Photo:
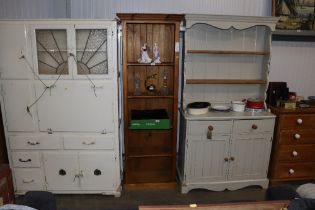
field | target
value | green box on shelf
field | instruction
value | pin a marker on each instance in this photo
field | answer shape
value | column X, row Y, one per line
column 149, row 119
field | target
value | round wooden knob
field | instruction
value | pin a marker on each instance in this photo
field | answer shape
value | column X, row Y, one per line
column 210, row 128
column 297, row 136
column 226, row 159
column 232, row 158
column 291, row 171
column 295, row 153
column 299, row 121
column 254, row 126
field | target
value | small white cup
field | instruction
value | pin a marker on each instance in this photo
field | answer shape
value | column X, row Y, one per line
column 238, row 106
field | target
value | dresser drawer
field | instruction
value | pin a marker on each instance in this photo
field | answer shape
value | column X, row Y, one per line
column 89, row 142
column 253, row 126
column 295, row 170
column 48, row 141
column 26, row 159
column 28, row 179
column 297, row 153
column 298, row 121
column 297, row 136
column 201, row 128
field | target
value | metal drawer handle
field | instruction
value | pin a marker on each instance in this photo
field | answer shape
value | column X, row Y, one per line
column 295, row 153
column 297, row 136
column 254, row 126
column 291, row 171
column 88, row 143
column 27, row 181
column 24, row 161
column 299, row 121
column 33, row 143
column 209, row 133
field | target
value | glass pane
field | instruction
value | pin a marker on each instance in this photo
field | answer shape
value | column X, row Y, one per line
column 91, row 45
column 52, row 51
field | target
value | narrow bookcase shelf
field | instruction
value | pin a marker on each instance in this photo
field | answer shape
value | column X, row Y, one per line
column 149, row 64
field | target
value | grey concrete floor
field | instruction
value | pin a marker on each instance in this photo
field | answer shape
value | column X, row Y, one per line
column 131, row 199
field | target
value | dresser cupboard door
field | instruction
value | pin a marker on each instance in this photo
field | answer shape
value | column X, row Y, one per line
column 98, row 169
column 249, row 157
column 62, row 170
column 18, row 95
column 207, row 159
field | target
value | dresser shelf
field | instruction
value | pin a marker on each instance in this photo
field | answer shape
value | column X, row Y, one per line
column 149, row 64
column 225, row 81
column 227, row 52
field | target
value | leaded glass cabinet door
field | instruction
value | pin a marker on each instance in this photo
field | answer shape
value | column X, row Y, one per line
column 52, row 44
column 95, row 48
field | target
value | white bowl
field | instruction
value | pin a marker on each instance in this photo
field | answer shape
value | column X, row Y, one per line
column 238, row 106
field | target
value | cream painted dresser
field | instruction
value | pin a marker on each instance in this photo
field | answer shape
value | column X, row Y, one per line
column 59, row 99
column 226, row 59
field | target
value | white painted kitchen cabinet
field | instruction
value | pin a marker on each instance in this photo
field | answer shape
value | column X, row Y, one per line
column 59, row 100
column 226, row 59
column 219, row 156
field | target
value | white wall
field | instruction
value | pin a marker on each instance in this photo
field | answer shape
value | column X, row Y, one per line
column 292, row 62
column 30, row 9
column 108, row 9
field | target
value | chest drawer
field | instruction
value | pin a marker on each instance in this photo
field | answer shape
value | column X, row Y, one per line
column 28, row 179
column 89, row 142
column 253, row 126
column 202, row 128
column 297, row 153
column 48, row 141
column 297, row 121
column 297, row 137
column 295, row 170
column 26, row 159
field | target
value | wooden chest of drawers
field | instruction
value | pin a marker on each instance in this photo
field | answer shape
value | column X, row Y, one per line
column 293, row 152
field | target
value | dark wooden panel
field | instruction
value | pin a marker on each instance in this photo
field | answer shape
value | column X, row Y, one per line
column 301, row 170
column 150, row 142
column 296, row 153
column 143, row 72
column 148, row 169
column 162, row 34
column 294, row 137
column 290, row 121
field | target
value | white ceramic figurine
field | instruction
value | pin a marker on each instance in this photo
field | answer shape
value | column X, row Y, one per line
column 144, row 54
column 156, row 54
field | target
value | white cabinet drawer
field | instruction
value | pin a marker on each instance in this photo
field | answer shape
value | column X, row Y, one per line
column 253, row 126
column 28, row 179
column 201, row 128
column 101, row 141
column 26, row 159
column 48, row 141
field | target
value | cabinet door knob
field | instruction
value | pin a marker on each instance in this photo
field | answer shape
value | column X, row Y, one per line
column 232, row 158
column 209, row 133
column 297, row 136
column 291, row 171
column 295, row 153
column 299, row 121
column 254, row 126
column 226, row 159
